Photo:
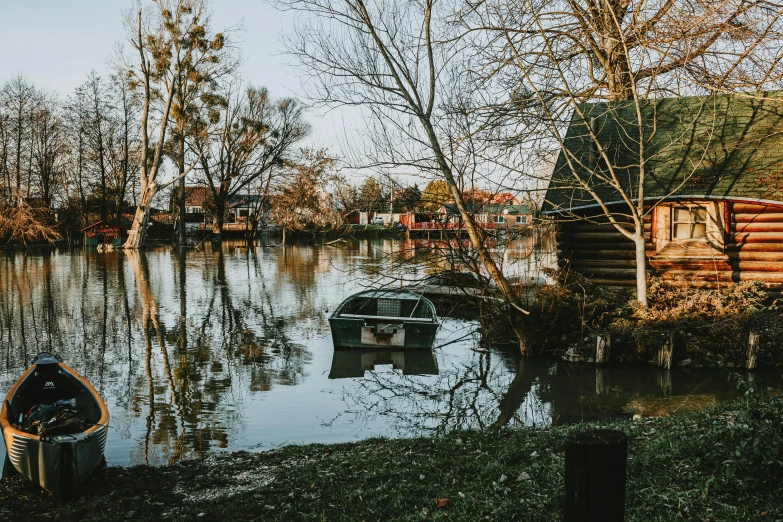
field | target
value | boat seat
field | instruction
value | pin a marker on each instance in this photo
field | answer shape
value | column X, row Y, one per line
column 48, row 385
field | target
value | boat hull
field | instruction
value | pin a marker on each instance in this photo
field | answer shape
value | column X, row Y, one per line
column 384, row 319
column 353, row 333
column 61, row 464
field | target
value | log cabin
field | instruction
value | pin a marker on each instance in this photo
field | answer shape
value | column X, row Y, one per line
column 712, row 170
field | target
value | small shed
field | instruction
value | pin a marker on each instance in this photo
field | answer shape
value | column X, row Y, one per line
column 101, row 233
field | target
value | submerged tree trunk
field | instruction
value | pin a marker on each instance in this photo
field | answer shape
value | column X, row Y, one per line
column 218, row 220
column 180, row 232
column 138, row 231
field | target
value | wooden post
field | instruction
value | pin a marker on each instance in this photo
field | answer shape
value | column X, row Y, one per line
column 595, row 463
column 753, row 348
column 600, row 381
column 665, row 353
column 665, row 382
column 603, row 346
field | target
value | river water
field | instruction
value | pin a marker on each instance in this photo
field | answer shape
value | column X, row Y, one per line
column 196, row 351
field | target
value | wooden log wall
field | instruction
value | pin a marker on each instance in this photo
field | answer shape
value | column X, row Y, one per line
column 753, row 251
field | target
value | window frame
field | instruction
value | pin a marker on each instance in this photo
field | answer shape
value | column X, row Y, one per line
column 692, row 210
column 712, row 244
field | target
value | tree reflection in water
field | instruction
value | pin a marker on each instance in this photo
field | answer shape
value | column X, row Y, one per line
column 175, row 373
column 460, row 396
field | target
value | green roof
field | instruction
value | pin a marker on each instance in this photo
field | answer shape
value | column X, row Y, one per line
column 722, row 146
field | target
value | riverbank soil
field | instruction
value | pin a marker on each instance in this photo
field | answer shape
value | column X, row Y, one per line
column 723, row 463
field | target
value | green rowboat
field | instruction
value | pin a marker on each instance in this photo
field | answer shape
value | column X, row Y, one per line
column 384, row 318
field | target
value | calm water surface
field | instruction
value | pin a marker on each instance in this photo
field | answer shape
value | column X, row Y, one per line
column 201, row 351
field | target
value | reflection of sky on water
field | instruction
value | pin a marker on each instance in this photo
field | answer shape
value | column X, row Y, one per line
column 203, row 352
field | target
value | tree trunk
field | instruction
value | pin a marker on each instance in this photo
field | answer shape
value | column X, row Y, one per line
column 641, row 267
column 137, row 234
column 180, row 232
column 217, row 223
column 476, row 238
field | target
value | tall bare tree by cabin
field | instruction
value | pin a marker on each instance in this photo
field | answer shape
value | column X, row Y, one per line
column 554, row 57
column 398, row 61
column 172, row 34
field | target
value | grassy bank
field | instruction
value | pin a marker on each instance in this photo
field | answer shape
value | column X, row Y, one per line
column 724, row 463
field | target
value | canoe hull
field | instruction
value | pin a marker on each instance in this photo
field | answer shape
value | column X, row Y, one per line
column 59, row 463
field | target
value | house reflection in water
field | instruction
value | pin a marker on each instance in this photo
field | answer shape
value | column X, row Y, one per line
column 353, row 363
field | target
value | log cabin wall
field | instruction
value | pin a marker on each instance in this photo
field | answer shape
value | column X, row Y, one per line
column 752, row 250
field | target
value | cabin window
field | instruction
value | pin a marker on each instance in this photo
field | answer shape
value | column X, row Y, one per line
column 499, row 219
column 689, row 223
column 522, row 220
column 686, row 229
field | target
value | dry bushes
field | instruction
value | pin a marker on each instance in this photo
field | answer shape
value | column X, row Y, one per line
column 709, row 326
column 24, row 224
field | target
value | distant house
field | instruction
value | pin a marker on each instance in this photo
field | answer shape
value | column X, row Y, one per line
column 493, row 216
column 241, row 207
column 713, row 191
column 37, row 202
column 195, row 197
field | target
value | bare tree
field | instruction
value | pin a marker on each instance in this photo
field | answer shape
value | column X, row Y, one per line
column 123, row 144
column 49, row 146
column 551, row 61
column 17, row 100
column 248, row 145
column 398, row 61
column 200, row 61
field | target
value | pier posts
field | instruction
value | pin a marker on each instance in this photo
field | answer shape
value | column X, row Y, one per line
column 665, row 353
column 603, row 346
column 753, row 348
column 595, row 462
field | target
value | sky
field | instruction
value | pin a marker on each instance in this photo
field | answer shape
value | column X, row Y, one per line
column 55, row 44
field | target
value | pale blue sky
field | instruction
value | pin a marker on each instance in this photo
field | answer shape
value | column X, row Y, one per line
column 55, row 43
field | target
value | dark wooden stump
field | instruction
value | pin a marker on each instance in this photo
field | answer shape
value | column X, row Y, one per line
column 595, row 476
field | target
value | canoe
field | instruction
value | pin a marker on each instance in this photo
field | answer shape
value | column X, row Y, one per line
column 71, row 418
column 384, row 319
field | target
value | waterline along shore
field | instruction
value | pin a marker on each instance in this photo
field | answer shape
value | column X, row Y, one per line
column 721, row 463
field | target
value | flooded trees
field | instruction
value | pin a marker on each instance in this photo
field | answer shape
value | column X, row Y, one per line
column 301, row 201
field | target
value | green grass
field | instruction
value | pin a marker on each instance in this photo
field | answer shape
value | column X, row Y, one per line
column 724, row 463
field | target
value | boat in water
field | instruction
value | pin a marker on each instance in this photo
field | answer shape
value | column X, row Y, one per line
column 54, row 425
column 384, row 318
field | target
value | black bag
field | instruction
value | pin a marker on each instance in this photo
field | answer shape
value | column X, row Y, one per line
column 53, row 419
